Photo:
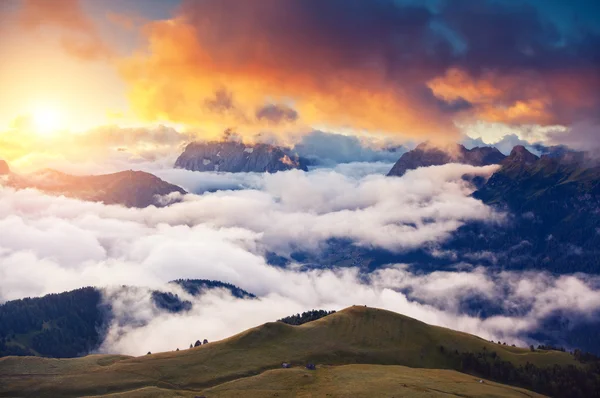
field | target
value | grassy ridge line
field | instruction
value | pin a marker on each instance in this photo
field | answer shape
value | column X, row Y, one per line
column 356, row 335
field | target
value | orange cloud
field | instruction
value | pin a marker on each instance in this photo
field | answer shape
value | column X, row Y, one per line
column 523, row 97
column 377, row 66
column 180, row 73
column 79, row 35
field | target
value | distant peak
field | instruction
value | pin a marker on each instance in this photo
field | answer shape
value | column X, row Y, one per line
column 519, row 149
column 487, row 149
column 520, row 154
column 4, row 169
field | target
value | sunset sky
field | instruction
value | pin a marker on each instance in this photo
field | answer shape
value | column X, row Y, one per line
column 406, row 70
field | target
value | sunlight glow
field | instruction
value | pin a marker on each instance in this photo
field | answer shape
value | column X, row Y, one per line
column 46, row 119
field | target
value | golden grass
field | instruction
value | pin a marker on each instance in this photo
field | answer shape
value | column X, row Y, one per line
column 363, row 381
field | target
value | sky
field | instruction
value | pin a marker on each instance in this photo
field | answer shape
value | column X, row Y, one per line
column 91, row 87
column 403, row 70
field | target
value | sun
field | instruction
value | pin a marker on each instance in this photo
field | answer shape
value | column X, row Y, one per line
column 46, row 119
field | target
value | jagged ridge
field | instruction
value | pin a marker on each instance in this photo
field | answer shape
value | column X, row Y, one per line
column 427, row 154
column 236, row 157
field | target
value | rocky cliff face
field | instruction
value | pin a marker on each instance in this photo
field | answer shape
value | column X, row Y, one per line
column 127, row 188
column 4, row 169
column 427, row 154
column 235, row 157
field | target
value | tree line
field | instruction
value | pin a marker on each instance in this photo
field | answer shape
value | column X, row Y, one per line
column 305, row 317
column 568, row 381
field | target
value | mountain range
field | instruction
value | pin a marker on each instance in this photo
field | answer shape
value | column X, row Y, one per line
column 553, row 203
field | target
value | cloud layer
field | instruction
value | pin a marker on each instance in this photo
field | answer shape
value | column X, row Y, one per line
column 224, row 235
column 524, row 301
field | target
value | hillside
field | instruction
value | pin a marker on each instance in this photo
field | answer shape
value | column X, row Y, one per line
column 127, row 188
column 356, row 335
column 364, row 381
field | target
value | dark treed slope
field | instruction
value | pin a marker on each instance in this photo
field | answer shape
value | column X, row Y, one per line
column 309, row 316
column 127, row 188
column 57, row 325
column 173, row 303
column 427, row 154
column 235, row 157
column 352, row 336
column 197, row 287
column 72, row 323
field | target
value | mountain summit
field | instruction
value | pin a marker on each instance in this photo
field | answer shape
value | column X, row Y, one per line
column 520, row 154
column 236, row 157
column 427, row 154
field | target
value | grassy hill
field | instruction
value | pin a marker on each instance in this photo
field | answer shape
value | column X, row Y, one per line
column 356, row 335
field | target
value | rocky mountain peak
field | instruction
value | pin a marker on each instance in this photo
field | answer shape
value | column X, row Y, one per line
column 521, row 155
column 237, row 157
column 429, row 154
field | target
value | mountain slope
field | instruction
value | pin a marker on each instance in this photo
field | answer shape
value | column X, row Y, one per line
column 427, row 154
column 553, row 204
column 127, row 188
column 235, row 157
column 355, row 335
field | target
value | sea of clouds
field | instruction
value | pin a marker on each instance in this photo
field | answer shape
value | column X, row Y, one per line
column 225, row 226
